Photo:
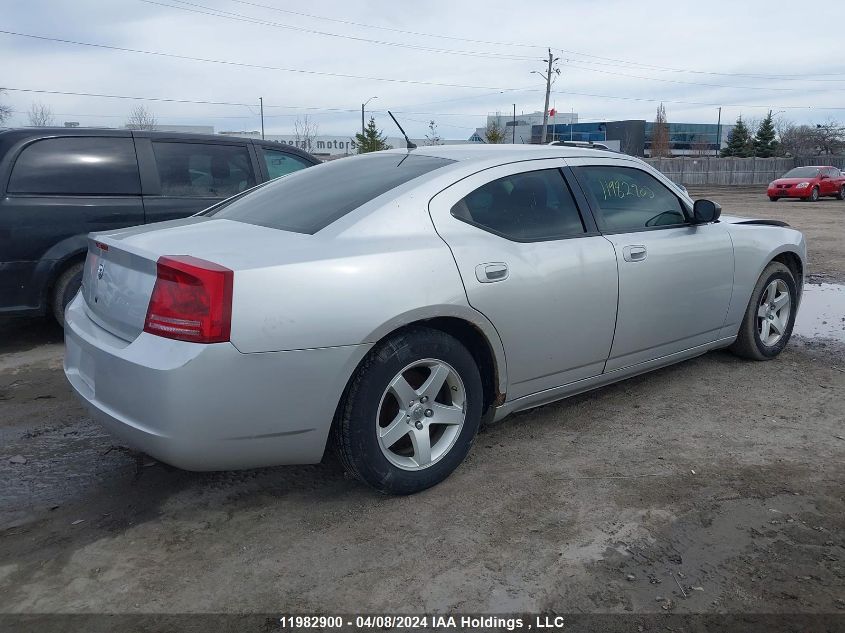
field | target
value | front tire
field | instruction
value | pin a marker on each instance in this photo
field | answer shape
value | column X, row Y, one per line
column 814, row 195
column 411, row 412
column 770, row 316
column 65, row 289
column 840, row 195
column 773, row 198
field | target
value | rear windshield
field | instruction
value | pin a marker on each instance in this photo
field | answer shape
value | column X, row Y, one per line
column 802, row 172
column 309, row 200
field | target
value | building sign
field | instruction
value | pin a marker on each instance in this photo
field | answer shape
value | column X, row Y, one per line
column 320, row 144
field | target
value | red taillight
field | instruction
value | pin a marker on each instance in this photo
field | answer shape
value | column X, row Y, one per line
column 191, row 300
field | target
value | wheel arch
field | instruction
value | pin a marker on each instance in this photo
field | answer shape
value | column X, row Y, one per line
column 476, row 333
column 793, row 261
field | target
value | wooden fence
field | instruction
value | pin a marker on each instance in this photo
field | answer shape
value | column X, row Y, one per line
column 692, row 170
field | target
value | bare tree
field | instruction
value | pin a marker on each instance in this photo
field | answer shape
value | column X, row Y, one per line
column 40, row 115
column 494, row 133
column 305, row 131
column 830, row 137
column 660, row 135
column 141, row 118
column 5, row 111
column 811, row 140
column 433, row 137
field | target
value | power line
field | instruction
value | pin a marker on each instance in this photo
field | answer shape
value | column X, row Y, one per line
column 795, row 77
column 349, row 110
column 229, row 15
column 248, row 65
column 779, row 77
column 385, row 28
column 692, row 83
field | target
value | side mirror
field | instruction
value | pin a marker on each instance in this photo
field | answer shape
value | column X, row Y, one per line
column 704, row 211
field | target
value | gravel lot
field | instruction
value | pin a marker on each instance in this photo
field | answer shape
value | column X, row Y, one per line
column 713, row 486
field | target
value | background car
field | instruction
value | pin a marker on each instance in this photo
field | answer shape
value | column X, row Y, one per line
column 808, row 183
column 389, row 301
column 59, row 184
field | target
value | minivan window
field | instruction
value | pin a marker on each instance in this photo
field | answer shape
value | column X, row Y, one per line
column 281, row 163
column 530, row 206
column 77, row 165
column 203, row 170
column 311, row 199
column 630, row 199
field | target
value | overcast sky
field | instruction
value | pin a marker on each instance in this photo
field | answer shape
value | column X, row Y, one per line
column 618, row 59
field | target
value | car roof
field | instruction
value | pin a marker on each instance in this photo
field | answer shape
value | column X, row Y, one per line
column 9, row 136
column 506, row 153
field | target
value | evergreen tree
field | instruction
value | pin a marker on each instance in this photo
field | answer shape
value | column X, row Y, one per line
column 765, row 145
column 372, row 140
column 739, row 141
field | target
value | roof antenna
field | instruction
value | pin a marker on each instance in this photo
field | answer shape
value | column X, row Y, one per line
column 407, row 140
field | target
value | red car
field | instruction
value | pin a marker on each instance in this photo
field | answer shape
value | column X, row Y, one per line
column 808, row 183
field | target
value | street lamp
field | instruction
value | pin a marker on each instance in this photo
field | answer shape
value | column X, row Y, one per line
column 362, row 113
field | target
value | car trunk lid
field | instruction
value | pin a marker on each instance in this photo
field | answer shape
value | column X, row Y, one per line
column 120, row 272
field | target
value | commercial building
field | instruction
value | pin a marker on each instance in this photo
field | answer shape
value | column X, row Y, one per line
column 330, row 146
column 635, row 136
column 519, row 128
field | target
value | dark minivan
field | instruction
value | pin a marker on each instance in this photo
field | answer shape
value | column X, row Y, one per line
column 59, row 184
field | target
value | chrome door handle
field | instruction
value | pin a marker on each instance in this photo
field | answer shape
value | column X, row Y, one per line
column 634, row 253
column 491, row 271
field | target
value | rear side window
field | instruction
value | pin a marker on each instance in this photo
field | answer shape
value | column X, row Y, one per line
column 282, row 163
column 311, row 199
column 530, row 206
column 629, row 199
column 203, row 170
column 74, row 165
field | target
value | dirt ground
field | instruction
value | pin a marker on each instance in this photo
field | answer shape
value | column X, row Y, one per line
column 714, row 486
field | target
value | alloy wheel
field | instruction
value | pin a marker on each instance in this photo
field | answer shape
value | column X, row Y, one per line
column 421, row 414
column 773, row 312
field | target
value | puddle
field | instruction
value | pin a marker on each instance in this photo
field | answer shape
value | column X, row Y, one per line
column 822, row 312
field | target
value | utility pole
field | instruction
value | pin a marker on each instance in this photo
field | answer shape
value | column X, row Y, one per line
column 719, row 133
column 261, row 101
column 513, row 127
column 548, row 77
column 362, row 113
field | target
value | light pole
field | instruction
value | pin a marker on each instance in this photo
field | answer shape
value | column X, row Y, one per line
column 362, row 113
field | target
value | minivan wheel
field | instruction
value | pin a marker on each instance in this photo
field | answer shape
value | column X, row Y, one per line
column 65, row 289
column 770, row 316
column 411, row 412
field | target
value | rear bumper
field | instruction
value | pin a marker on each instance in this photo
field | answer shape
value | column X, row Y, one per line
column 207, row 407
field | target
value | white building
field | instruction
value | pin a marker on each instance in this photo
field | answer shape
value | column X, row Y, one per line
column 518, row 128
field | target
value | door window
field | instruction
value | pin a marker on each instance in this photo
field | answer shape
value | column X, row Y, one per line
column 77, row 165
column 203, row 170
column 629, row 199
column 282, row 163
column 530, row 206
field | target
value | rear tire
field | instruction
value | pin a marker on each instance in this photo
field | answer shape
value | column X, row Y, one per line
column 408, row 446
column 65, row 289
column 765, row 330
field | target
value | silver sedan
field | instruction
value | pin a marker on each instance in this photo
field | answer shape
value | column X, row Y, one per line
column 387, row 304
